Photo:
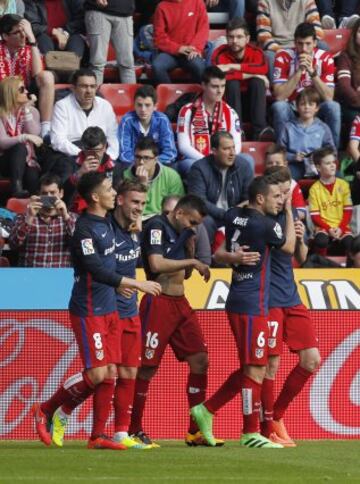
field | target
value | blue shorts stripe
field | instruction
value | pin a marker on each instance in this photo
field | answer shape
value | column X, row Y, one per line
column 85, row 344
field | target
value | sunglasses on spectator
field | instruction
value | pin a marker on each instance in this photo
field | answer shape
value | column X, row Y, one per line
column 22, row 89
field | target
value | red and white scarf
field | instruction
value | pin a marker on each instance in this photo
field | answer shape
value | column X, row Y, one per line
column 14, row 126
column 199, row 130
column 18, row 65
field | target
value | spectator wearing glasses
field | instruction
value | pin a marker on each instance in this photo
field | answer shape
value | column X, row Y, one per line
column 161, row 180
column 19, row 133
column 20, row 56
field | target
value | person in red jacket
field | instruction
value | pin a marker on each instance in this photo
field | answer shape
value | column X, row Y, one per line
column 181, row 30
column 246, row 71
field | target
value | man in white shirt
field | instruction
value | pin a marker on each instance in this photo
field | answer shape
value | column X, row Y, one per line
column 72, row 115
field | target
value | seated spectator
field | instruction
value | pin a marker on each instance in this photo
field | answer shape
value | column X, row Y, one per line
column 205, row 116
column 354, row 151
column 19, row 133
column 354, row 254
column 202, row 243
column 220, row 179
column 347, row 15
column 276, row 156
column 92, row 157
column 111, row 20
column 235, row 8
column 20, row 56
column 12, row 6
column 304, row 66
column 304, row 135
column 347, row 89
column 276, row 22
column 245, row 68
column 146, row 121
column 330, row 204
column 42, row 235
column 181, row 31
column 68, row 16
column 72, row 115
column 161, row 180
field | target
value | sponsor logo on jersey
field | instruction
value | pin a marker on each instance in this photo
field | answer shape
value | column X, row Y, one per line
column 278, row 231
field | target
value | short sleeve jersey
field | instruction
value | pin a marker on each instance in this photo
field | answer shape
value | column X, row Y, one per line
column 127, row 252
column 160, row 237
column 287, row 63
column 249, row 290
column 283, row 290
column 355, row 129
column 93, row 254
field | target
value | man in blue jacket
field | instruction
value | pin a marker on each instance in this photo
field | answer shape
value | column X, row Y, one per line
column 145, row 121
column 221, row 180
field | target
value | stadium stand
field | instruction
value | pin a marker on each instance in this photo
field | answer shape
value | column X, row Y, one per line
column 257, row 150
column 169, row 93
column 121, row 96
column 17, row 205
column 336, row 39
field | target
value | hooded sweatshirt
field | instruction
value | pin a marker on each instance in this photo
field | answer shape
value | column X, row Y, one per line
column 178, row 23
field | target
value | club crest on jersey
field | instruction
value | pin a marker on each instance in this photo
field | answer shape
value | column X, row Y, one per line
column 99, row 354
column 149, row 354
column 87, row 246
column 259, row 353
column 155, row 237
column 278, row 231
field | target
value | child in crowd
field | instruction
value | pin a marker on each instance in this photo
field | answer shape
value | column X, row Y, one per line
column 330, row 204
column 276, row 156
column 304, row 135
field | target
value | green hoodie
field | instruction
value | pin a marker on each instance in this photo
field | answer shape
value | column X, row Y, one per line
column 165, row 181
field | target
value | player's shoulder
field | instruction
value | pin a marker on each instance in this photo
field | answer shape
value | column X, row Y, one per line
column 285, row 55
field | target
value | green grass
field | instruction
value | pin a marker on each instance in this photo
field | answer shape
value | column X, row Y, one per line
column 310, row 462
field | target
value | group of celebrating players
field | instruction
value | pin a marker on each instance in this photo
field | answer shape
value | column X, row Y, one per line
column 121, row 352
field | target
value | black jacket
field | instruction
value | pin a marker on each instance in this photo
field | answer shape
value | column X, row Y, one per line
column 35, row 13
column 205, row 180
column 119, row 8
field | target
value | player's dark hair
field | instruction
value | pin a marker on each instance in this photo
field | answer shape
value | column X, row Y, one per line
column 319, row 154
column 88, row 183
column 49, row 179
column 309, row 94
column 278, row 174
column 93, row 136
column 217, row 136
column 305, row 30
column 167, row 199
column 275, row 149
column 147, row 143
column 260, row 185
column 8, row 22
column 192, row 202
column 126, row 186
column 212, row 72
column 83, row 72
column 146, row 91
column 237, row 23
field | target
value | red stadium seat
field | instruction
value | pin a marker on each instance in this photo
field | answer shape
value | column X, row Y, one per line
column 4, row 262
column 168, row 93
column 336, row 40
column 17, row 205
column 257, row 150
column 121, row 96
column 216, row 33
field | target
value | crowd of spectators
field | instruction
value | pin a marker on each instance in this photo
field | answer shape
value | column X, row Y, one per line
column 273, row 74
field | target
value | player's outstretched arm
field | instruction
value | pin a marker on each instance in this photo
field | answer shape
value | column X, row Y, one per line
column 239, row 256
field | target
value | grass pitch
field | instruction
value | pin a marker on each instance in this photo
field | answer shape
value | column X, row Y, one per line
column 310, row 462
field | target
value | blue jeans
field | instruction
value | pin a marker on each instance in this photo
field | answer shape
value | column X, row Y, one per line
column 235, row 8
column 329, row 112
column 164, row 63
column 348, row 8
